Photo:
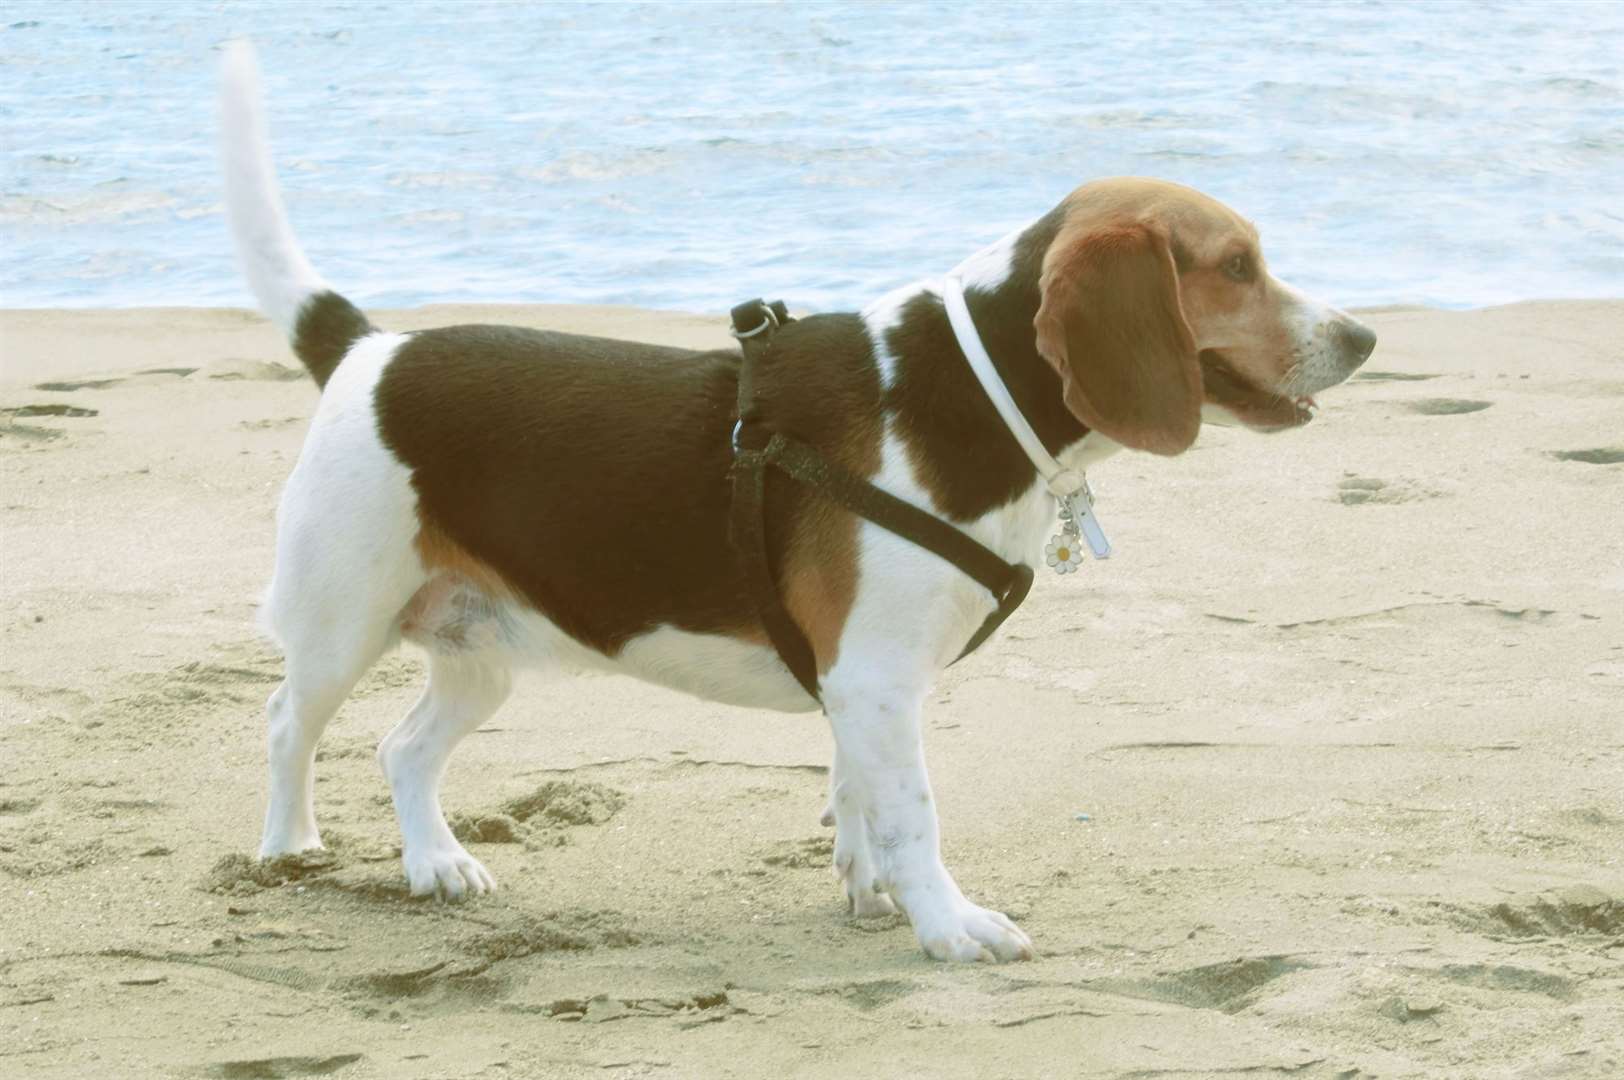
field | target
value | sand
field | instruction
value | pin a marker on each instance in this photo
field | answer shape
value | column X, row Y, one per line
column 1322, row 775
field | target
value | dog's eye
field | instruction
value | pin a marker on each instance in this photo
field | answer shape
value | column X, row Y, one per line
column 1238, row 267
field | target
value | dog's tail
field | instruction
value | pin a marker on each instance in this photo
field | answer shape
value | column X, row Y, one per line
column 320, row 324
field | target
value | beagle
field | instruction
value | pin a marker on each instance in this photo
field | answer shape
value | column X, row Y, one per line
column 505, row 497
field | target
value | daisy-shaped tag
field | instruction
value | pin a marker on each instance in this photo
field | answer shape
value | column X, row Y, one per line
column 1064, row 553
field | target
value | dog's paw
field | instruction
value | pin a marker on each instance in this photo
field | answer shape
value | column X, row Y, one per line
column 964, row 932
column 867, row 902
column 449, row 873
column 865, row 899
column 273, row 847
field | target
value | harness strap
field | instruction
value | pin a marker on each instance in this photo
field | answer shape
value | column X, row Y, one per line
column 749, row 536
column 1009, row 583
column 754, row 323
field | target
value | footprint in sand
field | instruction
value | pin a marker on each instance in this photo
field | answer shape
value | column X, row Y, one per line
column 278, row 1068
column 1573, row 911
column 103, row 384
column 1393, row 376
column 554, row 931
column 1510, row 978
column 15, row 433
column 1446, row 406
column 1227, row 986
column 271, row 425
column 26, row 433
column 252, row 371
column 227, row 370
column 240, row 875
column 533, row 820
column 816, row 852
column 1358, row 490
column 192, row 691
column 1600, row 455
column 49, row 410
column 82, row 384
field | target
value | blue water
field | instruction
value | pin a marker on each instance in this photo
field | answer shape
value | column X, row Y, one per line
column 687, row 156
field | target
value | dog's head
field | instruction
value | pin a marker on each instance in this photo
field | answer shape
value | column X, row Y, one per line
column 1156, row 302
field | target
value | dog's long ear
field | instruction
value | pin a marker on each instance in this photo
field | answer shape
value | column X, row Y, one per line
column 1111, row 324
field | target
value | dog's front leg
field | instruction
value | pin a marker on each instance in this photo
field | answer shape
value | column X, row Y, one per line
column 854, row 861
column 882, row 761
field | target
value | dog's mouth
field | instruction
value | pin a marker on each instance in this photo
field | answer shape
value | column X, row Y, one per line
column 1251, row 404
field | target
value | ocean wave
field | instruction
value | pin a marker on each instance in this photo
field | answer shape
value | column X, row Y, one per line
column 449, row 181
column 81, row 208
column 549, row 152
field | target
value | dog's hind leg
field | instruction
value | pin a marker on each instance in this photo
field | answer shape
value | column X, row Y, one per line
column 316, row 684
column 462, row 693
column 335, row 610
column 345, row 571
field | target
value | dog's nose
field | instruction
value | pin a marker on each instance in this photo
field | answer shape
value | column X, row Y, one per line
column 1354, row 340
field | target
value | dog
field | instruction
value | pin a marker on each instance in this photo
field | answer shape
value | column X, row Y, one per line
column 509, row 498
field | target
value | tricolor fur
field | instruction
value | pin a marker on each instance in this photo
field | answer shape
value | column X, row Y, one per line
column 506, row 497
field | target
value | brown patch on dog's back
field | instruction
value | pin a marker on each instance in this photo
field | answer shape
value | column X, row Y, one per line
column 589, row 477
column 589, row 474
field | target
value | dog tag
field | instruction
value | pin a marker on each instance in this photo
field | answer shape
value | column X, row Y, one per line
column 1080, row 503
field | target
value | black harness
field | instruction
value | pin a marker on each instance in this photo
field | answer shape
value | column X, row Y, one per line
column 758, row 451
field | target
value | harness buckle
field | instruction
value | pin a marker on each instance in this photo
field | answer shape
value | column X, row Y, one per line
column 767, row 314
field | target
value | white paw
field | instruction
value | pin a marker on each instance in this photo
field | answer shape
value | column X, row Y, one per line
column 867, row 902
column 964, row 932
column 447, row 872
column 864, row 898
column 301, row 840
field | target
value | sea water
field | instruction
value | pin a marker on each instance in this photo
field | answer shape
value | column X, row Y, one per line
column 687, row 156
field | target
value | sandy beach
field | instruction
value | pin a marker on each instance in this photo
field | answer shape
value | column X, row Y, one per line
column 1322, row 775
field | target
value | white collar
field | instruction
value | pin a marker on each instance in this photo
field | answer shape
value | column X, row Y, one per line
column 1070, row 486
column 1061, row 480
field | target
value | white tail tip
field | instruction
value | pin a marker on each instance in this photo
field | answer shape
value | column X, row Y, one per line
column 281, row 277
